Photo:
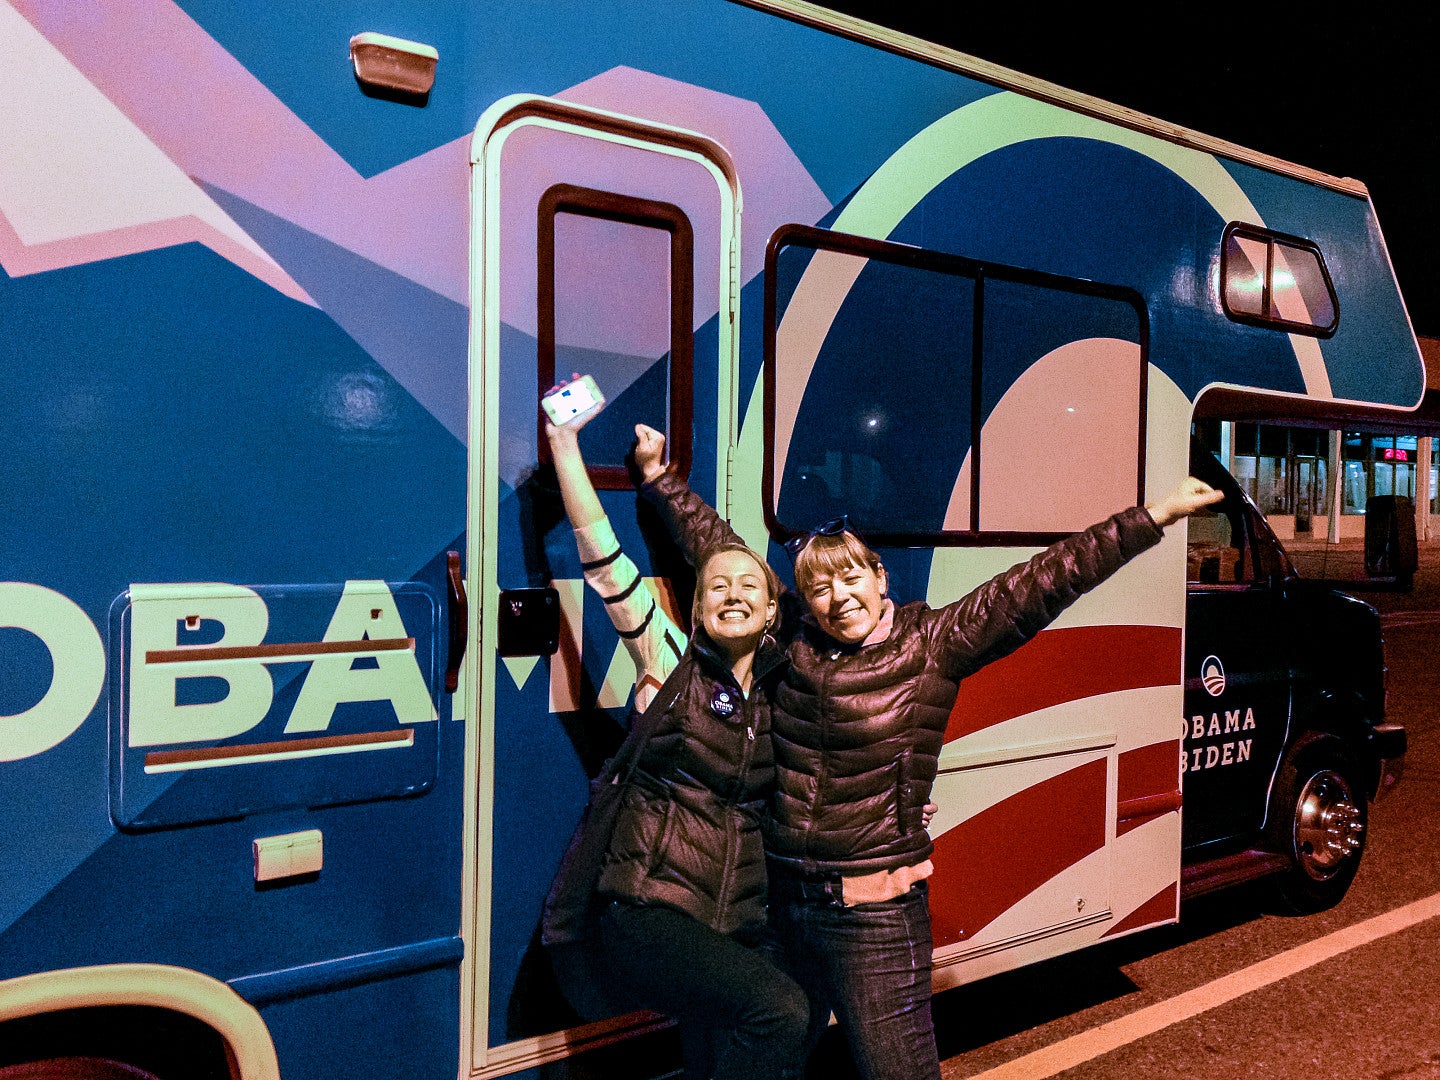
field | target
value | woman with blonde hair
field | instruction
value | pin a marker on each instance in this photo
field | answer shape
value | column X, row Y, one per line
column 683, row 878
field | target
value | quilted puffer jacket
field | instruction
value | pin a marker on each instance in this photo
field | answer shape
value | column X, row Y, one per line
column 689, row 830
column 858, row 728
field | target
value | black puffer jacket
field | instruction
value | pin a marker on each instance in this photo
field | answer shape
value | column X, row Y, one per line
column 689, row 830
column 858, row 728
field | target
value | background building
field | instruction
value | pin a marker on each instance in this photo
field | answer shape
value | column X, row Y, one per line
column 1290, row 470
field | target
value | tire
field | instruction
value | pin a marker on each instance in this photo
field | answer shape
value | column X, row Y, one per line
column 1319, row 824
column 75, row 1068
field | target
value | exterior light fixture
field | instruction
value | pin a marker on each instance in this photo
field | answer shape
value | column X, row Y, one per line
column 394, row 64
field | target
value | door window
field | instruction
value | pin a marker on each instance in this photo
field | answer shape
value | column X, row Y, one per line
column 615, row 281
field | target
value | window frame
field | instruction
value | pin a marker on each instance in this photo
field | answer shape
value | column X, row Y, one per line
column 646, row 213
column 980, row 271
column 1270, row 237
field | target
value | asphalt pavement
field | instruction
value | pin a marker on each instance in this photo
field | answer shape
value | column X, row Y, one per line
column 1220, row 995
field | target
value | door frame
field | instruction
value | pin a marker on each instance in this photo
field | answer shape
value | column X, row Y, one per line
column 476, row 693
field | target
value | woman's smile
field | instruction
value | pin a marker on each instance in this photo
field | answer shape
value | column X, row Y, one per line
column 735, row 601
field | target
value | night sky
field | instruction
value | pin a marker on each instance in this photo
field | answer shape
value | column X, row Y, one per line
column 1352, row 91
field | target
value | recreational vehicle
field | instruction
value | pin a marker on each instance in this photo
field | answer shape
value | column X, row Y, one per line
column 300, row 688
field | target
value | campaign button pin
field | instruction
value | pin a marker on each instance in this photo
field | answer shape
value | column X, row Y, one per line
column 722, row 703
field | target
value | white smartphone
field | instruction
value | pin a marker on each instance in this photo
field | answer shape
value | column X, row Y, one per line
column 568, row 401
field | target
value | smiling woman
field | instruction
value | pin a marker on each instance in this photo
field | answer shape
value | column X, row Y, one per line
column 736, row 599
column 844, row 583
column 683, row 877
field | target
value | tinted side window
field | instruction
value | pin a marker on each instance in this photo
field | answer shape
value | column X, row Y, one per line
column 922, row 394
column 1216, row 539
column 881, row 394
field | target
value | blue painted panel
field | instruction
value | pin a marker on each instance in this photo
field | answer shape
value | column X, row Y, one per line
column 395, row 1029
column 188, row 896
column 1373, row 355
column 184, row 422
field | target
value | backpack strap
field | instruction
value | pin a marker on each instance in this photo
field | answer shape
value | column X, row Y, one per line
column 622, row 766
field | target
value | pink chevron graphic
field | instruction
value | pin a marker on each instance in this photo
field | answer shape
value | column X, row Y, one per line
column 776, row 185
column 82, row 183
column 19, row 258
column 236, row 135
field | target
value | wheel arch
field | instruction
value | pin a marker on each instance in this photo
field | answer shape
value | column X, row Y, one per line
column 1345, row 717
column 249, row 1048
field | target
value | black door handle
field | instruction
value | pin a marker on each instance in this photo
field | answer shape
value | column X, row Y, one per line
column 459, row 620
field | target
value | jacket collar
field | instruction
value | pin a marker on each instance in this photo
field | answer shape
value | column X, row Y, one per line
column 768, row 657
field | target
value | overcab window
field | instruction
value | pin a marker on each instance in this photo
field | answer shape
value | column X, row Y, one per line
column 1270, row 279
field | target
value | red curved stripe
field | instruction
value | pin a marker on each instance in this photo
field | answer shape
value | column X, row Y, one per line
column 1143, row 773
column 1065, row 665
column 1164, row 906
column 989, row 863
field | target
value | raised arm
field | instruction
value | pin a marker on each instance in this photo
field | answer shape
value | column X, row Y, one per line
column 652, row 638
column 693, row 523
column 582, row 505
column 1011, row 608
column 1191, row 495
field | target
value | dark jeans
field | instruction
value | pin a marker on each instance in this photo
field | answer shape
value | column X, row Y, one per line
column 871, row 965
column 740, row 1016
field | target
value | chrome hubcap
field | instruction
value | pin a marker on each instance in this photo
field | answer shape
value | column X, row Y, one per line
column 1328, row 827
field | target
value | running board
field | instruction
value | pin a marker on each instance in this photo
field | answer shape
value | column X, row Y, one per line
column 1212, row 874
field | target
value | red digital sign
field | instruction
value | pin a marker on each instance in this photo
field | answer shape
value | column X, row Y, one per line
column 1391, row 454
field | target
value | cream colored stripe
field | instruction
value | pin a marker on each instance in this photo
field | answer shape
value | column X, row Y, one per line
column 1091, row 1044
column 1000, row 120
column 945, row 147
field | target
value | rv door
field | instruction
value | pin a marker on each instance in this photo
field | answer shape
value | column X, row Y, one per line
column 602, row 244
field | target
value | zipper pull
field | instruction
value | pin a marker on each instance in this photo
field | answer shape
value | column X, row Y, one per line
column 750, row 732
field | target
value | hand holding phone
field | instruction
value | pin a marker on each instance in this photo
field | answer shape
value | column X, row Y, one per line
column 573, row 403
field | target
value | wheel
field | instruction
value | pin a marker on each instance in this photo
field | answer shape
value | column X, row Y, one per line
column 75, row 1068
column 1319, row 822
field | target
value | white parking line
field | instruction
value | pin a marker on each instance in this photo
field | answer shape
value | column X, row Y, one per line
column 1409, row 618
column 1078, row 1049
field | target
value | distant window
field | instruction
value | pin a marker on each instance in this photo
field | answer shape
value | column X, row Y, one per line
column 615, row 283
column 1269, row 279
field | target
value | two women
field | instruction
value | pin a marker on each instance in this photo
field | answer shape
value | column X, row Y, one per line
column 684, row 878
column 859, row 721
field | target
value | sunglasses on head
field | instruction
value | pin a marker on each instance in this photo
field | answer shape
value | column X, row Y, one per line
column 834, row 527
